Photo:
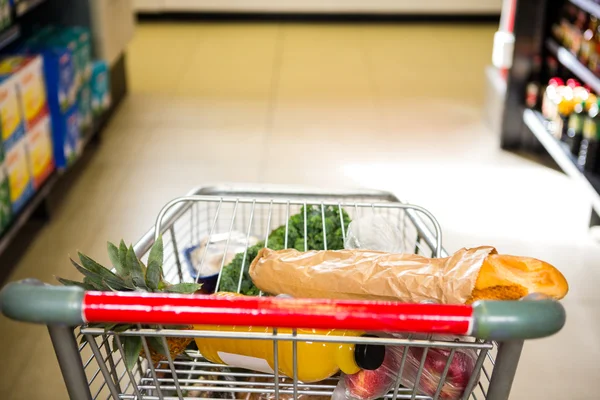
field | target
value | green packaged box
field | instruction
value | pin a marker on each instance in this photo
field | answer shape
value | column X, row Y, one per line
column 84, row 107
column 5, row 205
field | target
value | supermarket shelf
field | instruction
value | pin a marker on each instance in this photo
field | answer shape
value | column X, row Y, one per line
column 563, row 157
column 589, row 6
column 24, row 6
column 25, row 214
column 38, row 198
column 566, row 58
column 9, row 35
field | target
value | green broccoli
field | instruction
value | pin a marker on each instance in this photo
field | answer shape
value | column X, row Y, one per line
column 295, row 239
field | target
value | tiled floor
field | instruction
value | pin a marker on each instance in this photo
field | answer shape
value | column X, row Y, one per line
column 389, row 106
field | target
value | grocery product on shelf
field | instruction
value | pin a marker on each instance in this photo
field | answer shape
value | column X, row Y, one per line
column 11, row 121
column 39, row 151
column 66, row 137
column 19, row 176
column 131, row 274
column 466, row 276
column 589, row 152
column 100, row 87
column 84, row 108
column 5, row 205
column 315, row 360
column 575, row 128
column 28, row 73
column 5, row 14
column 579, row 32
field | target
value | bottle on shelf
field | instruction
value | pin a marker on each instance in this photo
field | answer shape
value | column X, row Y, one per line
column 590, row 144
column 551, row 97
column 575, row 129
column 577, row 30
column 564, row 107
column 588, row 44
column 532, row 96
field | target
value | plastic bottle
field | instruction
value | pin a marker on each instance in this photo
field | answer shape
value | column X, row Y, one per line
column 588, row 152
column 564, row 108
column 575, row 129
column 315, row 360
column 550, row 98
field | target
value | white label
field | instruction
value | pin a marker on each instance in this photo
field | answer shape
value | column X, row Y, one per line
column 252, row 363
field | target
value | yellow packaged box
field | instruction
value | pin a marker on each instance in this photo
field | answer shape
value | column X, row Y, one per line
column 19, row 177
column 39, row 151
column 11, row 121
column 28, row 73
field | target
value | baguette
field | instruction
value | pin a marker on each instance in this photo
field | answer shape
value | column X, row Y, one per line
column 466, row 276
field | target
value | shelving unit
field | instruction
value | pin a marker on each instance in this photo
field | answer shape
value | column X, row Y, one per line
column 23, row 7
column 589, row 6
column 28, row 14
column 563, row 157
column 526, row 130
column 568, row 60
column 41, row 194
column 9, row 35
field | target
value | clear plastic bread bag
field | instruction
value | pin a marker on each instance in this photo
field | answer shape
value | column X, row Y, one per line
column 374, row 232
column 370, row 385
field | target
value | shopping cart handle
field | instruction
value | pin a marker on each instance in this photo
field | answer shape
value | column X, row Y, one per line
column 32, row 301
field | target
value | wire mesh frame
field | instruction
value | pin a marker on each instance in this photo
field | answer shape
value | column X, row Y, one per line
column 198, row 217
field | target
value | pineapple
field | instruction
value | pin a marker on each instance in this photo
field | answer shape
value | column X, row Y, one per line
column 132, row 275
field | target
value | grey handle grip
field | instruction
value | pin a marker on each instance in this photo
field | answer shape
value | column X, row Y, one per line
column 33, row 301
column 525, row 319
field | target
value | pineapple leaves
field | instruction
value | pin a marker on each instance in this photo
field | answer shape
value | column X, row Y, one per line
column 155, row 262
column 115, row 259
column 123, row 256
column 68, row 282
column 157, row 344
column 98, row 276
column 132, row 345
column 183, row 288
column 135, row 267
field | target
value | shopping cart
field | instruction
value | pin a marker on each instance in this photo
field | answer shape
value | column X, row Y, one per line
column 94, row 368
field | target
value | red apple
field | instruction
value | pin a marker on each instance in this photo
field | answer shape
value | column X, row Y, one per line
column 369, row 385
column 457, row 378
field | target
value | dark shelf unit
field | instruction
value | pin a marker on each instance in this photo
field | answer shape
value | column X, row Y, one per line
column 590, row 7
column 526, row 130
column 24, row 6
column 569, row 61
column 559, row 151
column 42, row 193
column 9, row 36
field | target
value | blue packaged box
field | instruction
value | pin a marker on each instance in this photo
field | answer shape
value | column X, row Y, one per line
column 59, row 73
column 66, row 137
column 100, row 87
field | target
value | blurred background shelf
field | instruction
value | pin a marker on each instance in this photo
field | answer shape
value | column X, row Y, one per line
column 9, row 36
column 23, row 7
column 560, row 153
column 588, row 6
column 568, row 60
column 35, row 206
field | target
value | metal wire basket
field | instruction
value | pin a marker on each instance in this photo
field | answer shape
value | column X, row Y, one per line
column 95, row 368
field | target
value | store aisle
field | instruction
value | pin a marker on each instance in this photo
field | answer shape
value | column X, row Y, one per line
column 389, row 106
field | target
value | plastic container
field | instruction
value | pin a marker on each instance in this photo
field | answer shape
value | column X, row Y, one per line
column 315, row 360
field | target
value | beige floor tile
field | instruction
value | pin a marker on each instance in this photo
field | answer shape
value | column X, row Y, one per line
column 231, row 61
